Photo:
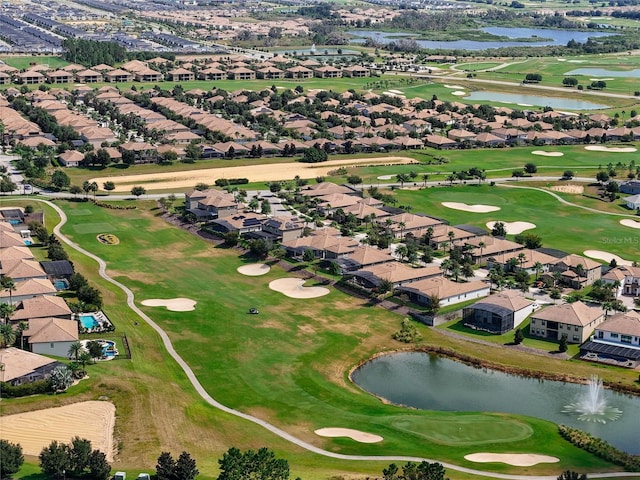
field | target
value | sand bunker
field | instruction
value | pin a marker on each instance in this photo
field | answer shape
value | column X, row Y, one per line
column 515, row 459
column 397, row 92
column 579, row 189
column 600, row 148
column 254, row 269
column 456, row 87
column 627, row 222
column 459, row 93
column 35, row 430
column 547, row 154
column 294, row 288
column 385, row 177
column 254, row 173
column 607, row 257
column 514, row 228
column 470, row 208
column 357, row 435
column 173, row 304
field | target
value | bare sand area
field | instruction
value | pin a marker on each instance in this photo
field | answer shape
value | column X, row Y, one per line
column 456, row 87
column 600, row 148
column 294, row 288
column 607, row 257
column 514, row 228
column 627, row 222
column 255, row 173
column 173, row 304
column 515, row 459
column 470, row 208
column 547, row 154
column 459, row 93
column 357, row 435
column 93, row 420
column 254, row 269
column 578, row 189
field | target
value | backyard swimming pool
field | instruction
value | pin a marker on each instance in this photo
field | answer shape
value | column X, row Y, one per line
column 88, row 321
column 61, row 284
column 109, row 349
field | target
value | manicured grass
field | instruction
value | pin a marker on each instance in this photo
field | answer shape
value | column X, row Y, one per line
column 568, row 228
column 26, row 61
column 286, row 365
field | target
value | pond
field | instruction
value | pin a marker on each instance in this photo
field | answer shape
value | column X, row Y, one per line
column 429, row 382
column 601, row 72
column 557, row 103
column 546, row 36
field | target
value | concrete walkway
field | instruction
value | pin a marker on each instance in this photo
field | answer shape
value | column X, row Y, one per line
column 272, row 428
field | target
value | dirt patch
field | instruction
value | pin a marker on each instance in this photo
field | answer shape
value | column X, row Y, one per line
column 254, row 173
column 471, row 208
column 35, row 430
column 357, row 435
column 515, row 459
column 575, row 189
column 172, row 304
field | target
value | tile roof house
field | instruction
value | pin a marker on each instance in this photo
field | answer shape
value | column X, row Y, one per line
column 33, row 287
column 575, row 320
column 615, row 341
column 71, row 158
column 39, row 307
column 498, row 313
column 210, row 204
column 447, row 291
column 20, row 367
column 364, row 256
column 51, row 336
column 395, row 272
column 576, row 276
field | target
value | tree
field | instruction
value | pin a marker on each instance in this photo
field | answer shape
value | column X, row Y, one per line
column 7, row 336
column 109, row 186
column 265, row 206
column 571, row 475
column 60, row 378
column 74, row 350
column 401, row 178
column 79, row 455
column 415, row 471
column 602, row 177
column 308, row 255
column 499, row 230
column 185, row 468
column 99, row 468
column 7, row 283
column 165, row 467
column 94, row 349
column 563, row 346
column 60, row 179
column 263, row 464
column 354, row 180
column 518, row 336
column 532, row 78
column 569, row 81
column 54, row 459
column 193, row 151
column 530, row 168
column 83, row 359
column 137, row 191
column 6, row 311
column 90, row 295
column 314, row 155
column 11, row 458
column 529, row 240
column 568, row 174
column 75, row 189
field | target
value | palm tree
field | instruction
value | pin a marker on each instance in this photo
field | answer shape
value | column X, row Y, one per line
column 9, row 285
column 446, row 265
column 481, row 246
column 425, row 177
column 580, row 272
column 451, row 236
column 538, row 268
column 7, row 336
column 6, row 311
column 75, row 349
column 83, row 359
column 21, row 327
column 521, row 258
column 428, row 236
column 402, row 226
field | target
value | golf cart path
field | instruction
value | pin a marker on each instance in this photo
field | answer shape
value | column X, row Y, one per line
column 273, row 429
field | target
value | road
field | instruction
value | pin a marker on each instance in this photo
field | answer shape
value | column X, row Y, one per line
column 102, row 270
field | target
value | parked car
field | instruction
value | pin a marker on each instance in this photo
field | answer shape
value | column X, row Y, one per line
column 253, row 311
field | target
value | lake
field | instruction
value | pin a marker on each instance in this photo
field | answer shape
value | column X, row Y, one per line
column 557, row 103
column 429, row 382
column 601, row 72
column 546, row 36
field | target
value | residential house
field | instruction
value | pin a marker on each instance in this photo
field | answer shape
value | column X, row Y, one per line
column 118, row 75
column 575, row 320
column 633, row 202
column 30, row 288
column 440, row 142
column 180, row 75
column 211, row 204
column 356, row 71
column 498, row 313
column 20, row 367
column 240, row 222
column 327, row 188
column 59, row 76
column 21, row 269
column 284, row 228
column 71, row 158
column 88, row 76
column 30, row 77
column 630, row 187
column 270, row 73
column 327, row 71
column 40, row 307
column 5, row 78
column 526, row 260
column 212, row 73
column 51, row 336
column 485, row 246
column 409, row 223
column 147, row 75
column 395, row 272
column 299, row 72
column 577, row 271
column 241, row 73
column 363, row 256
column 615, row 341
column 446, row 291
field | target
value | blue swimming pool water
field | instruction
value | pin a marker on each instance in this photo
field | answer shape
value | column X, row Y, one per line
column 61, row 284
column 14, row 221
column 28, row 242
column 88, row 320
column 108, row 349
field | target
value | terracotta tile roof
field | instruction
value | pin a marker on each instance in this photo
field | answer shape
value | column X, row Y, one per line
column 47, row 330
column 576, row 313
column 627, row 323
column 38, row 307
column 18, row 363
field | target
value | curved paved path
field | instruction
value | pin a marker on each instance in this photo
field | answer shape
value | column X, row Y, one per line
column 272, row 428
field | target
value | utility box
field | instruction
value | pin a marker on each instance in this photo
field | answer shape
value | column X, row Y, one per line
column 144, row 476
column 120, row 476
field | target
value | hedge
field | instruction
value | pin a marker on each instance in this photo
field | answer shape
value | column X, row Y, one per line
column 224, row 182
column 10, row 391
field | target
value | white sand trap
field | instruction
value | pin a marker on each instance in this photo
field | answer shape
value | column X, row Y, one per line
column 525, row 105
column 254, row 269
column 515, row 459
column 457, row 87
column 357, row 435
column 577, row 61
column 514, row 228
column 173, row 304
column 561, row 59
column 627, row 222
column 607, row 257
column 35, row 430
column 600, row 148
column 578, row 189
column 547, row 154
column 459, row 93
column 385, row 177
column 397, row 92
column 294, row 288
column 470, row 208
column 601, row 79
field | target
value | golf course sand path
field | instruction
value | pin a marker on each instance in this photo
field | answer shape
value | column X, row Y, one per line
column 600, row 148
column 172, row 304
column 254, row 269
column 547, row 154
column 269, row 172
column 515, row 459
column 607, row 257
column 93, row 420
column 294, row 288
column 470, row 208
column 627, row 222
column 357, row 435
column 514, row 228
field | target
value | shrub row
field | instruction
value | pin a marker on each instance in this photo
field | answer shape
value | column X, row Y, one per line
column 114, row 207
column 600, row 448
column 26, row 389
column 225, row 182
